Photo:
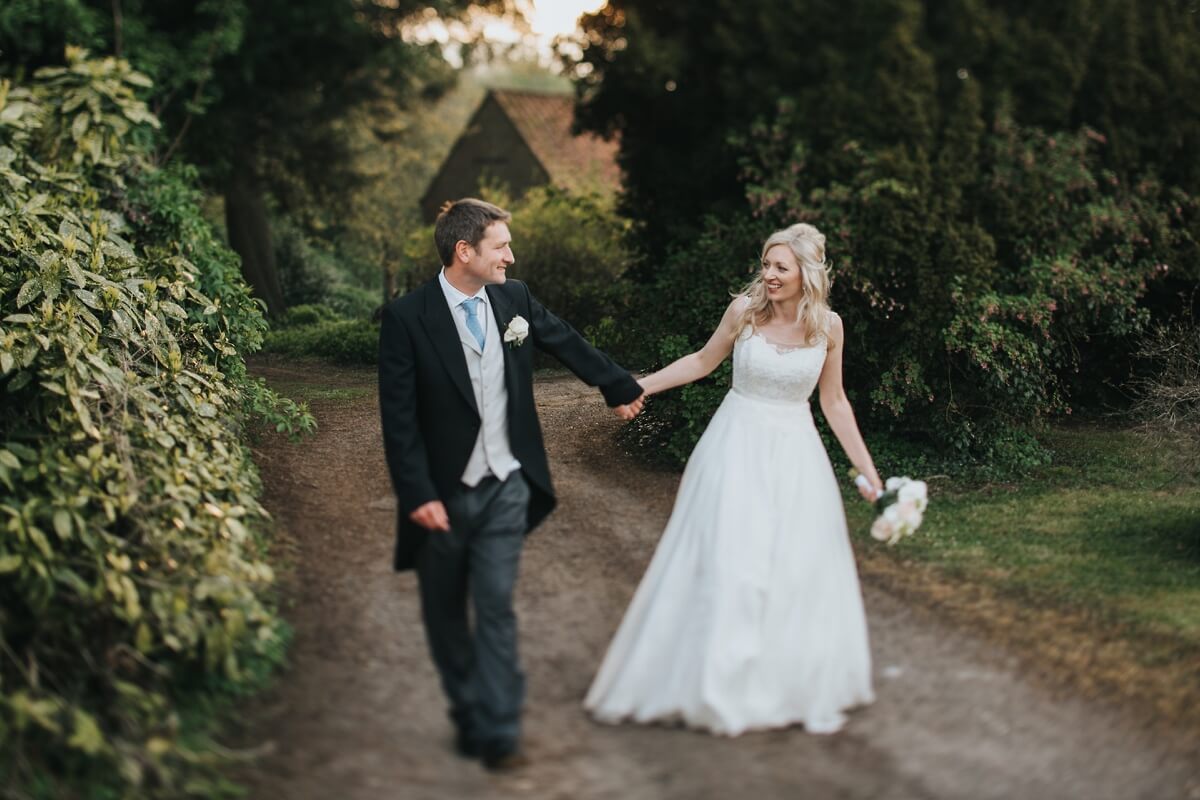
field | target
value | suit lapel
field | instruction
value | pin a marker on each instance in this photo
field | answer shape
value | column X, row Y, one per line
column 503, row 311
column 443, row 334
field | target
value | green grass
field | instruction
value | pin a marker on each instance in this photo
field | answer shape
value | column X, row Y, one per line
column 1110, row 528
column 307, row 393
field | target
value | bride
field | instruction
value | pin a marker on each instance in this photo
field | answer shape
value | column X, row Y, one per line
column 750, row 615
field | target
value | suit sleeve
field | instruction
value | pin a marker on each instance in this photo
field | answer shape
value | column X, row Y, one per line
column 590, row 365
column 408, row 462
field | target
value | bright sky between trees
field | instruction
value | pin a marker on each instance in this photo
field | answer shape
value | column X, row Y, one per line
column 550, row 18
column 543, row 21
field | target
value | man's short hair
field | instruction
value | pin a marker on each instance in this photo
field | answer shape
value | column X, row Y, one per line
column 465, row 220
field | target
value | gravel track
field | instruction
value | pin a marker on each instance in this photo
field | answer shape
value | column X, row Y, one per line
column 358, row 714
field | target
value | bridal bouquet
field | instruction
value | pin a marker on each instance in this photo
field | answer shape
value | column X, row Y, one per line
column 901, row 507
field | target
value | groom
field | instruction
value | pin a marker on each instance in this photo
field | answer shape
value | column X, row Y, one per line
column 464, row 449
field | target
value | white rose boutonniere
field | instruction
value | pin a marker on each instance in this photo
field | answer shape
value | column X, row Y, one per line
column 517, row 331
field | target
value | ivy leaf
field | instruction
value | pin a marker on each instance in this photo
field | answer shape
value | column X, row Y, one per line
column 62, row 523
column 87, row 298
column 10, row 562
column 87, row 736
column 173, row 310
column 80, row 125
column 144, row 639
column 19, row 382
column 23, row 452
column 29, row 291
column 75, row 273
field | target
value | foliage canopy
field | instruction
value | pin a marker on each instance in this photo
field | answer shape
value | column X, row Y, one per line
column 1008, row 190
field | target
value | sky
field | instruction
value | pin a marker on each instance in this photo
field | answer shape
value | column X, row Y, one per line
column 546, row 18
column 550, row 18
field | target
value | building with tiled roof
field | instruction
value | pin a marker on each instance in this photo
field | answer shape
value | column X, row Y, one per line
column 523, row 139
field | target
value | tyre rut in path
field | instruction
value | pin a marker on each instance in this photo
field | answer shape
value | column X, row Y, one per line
column 358, row 713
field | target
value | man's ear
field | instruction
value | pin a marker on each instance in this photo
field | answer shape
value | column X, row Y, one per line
column 462, row 251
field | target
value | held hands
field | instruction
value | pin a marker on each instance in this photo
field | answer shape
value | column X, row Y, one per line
column 631, row 410
column 432, row 516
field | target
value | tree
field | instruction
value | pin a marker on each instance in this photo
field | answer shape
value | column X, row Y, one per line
column 876, row 72
column 252, row 91
column 1004, row 190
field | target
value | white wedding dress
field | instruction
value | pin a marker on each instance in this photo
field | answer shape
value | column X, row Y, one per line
column 750, row 614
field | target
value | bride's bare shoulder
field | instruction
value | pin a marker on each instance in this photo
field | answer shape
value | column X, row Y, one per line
column 834, row 332
column 737, row 306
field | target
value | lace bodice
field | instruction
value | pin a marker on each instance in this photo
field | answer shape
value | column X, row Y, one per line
column 766, row 371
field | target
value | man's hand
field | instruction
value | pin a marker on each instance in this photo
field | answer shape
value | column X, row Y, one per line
column 431, row 516
column 631, row 410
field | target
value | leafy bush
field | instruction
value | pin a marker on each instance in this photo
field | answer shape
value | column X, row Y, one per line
column 569, row 248
column 303, row 315
column 352, row 302
column 311, row 274
column 132, row 569
column 571, row 251
column 983, row 291
column 992, row 271
column 675, row 315
column 1002, row 284
column 340, row 341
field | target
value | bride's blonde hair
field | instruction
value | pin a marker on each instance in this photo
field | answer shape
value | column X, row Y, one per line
column 808, row 245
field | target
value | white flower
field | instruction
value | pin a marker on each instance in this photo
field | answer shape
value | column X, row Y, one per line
column 518, row 330
column 915, row 492
column 906, row 501
column 882, row 529
column 908, row 513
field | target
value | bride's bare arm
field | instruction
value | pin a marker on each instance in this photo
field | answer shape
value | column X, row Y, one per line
column 837, row 410
column 695, row 366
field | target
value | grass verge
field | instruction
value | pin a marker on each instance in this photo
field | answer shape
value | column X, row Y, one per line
column 1091, row 564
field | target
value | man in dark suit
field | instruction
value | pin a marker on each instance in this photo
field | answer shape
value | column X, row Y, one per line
column 464, row 448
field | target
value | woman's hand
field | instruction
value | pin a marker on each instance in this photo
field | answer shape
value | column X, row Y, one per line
column 870, row 488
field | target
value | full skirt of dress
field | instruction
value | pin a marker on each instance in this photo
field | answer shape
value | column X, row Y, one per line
column 750, row 615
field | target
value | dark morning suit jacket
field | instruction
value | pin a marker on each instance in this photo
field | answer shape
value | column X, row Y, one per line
column 430, row 421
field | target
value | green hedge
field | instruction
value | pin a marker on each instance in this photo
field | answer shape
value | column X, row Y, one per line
column 133, row 581
column 1001, row 284
column 346, row 341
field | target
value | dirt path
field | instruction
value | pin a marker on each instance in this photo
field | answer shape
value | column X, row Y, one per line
column 359, row 715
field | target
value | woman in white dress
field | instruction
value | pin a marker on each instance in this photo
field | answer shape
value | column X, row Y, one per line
column 750, row 614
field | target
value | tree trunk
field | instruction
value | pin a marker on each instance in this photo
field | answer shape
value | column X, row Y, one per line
column 250, row 237
column 389, row 284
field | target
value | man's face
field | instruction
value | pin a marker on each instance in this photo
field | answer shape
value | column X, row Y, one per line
column 487, row 261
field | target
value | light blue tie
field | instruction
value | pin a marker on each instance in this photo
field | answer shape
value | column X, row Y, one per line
column 471, row 304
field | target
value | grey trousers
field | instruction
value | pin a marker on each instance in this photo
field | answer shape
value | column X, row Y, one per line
column 475, row 566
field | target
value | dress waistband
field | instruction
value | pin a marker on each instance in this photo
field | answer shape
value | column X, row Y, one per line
column 792, row 404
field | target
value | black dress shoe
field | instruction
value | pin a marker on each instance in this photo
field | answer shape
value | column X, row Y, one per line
column 504, row 757
column 466, row 745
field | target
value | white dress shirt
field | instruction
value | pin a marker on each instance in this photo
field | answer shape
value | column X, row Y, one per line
column 492, row 454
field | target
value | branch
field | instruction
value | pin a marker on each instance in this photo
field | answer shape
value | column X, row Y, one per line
column 187, row 121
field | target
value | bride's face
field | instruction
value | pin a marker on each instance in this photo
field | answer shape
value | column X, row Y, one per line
column 781, row 274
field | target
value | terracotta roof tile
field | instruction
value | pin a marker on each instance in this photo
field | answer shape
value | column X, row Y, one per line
column 584, row 162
